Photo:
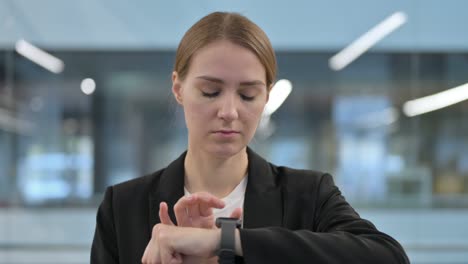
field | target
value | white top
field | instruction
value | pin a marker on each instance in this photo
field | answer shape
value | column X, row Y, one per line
column 232, row 201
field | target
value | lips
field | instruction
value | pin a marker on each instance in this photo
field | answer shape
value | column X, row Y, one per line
column 226, row 133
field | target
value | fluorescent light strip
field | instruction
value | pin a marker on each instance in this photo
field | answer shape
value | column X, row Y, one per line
column 39, row 56
column 366, row 41
column 436, row 101
column 278, row 94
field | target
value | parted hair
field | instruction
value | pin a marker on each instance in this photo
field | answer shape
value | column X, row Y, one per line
column 226, row 26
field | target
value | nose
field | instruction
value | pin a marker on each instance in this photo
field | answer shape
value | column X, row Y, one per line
column 228, row 109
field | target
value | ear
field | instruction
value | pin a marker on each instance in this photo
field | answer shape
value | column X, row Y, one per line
column 177, row 87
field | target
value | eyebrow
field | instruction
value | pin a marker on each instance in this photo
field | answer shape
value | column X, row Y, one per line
column 216, row 80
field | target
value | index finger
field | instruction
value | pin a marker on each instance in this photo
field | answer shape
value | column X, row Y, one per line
column 209, row 199
column 164, row 215
column 197, row 204
column 207, row 202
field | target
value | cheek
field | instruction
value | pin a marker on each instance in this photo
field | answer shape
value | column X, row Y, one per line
column 253, row 113
column 196, row 112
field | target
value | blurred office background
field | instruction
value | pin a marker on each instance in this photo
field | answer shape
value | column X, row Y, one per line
column 101, row 112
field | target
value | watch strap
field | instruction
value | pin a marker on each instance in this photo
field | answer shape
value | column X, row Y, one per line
column 227, row 251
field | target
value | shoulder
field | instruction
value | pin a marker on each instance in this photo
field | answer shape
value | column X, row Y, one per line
column 301, row 179
column 308, row 175
column 136, row 188
column 266, row 174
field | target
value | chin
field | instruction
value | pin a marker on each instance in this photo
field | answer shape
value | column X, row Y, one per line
column 226, row 150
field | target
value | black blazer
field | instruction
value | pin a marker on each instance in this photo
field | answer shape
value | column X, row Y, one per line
column 290, row 216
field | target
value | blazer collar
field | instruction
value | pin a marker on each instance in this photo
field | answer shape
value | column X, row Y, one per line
column 169, row 189
column 263, row 203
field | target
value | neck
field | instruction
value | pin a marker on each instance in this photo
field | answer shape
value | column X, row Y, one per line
column 218, row 176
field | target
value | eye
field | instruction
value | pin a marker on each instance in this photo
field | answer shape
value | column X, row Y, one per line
column 247, row 98
column 210, row 95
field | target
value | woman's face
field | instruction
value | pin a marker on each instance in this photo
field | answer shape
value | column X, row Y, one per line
column 223, row 96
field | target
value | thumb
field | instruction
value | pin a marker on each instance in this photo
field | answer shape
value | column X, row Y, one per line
column 237, row 213
column 164, row 215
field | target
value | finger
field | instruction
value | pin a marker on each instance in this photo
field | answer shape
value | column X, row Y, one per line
column 180, row 210
column 210, row 200
column 166, row 255
column 157, row 252
column 237, row 213
column 164, row 214
column 151, row 254
column 205, row 202
column 204, row 210
column 189, row 208
column 193, row 210
column 144, row 259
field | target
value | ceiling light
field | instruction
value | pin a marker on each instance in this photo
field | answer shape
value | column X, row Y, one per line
column 88, row 86
column 278, row 94
column 436, row 101
column 39, row 56
column 366, row 41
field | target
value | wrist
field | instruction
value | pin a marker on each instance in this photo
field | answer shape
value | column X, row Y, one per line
column 216, row 240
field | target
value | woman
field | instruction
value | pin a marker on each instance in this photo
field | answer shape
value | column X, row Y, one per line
column 224, row 69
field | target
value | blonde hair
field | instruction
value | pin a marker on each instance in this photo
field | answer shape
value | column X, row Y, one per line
column 226, row 26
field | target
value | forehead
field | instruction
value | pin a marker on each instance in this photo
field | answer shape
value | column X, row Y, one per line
column 227, row 61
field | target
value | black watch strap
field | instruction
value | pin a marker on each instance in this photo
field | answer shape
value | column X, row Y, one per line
column 227, row 249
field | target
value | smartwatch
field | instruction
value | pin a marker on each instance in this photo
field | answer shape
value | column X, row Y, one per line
column 227, row 250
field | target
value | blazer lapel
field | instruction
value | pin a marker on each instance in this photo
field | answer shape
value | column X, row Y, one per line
column 263, row 204
column 169, row 189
